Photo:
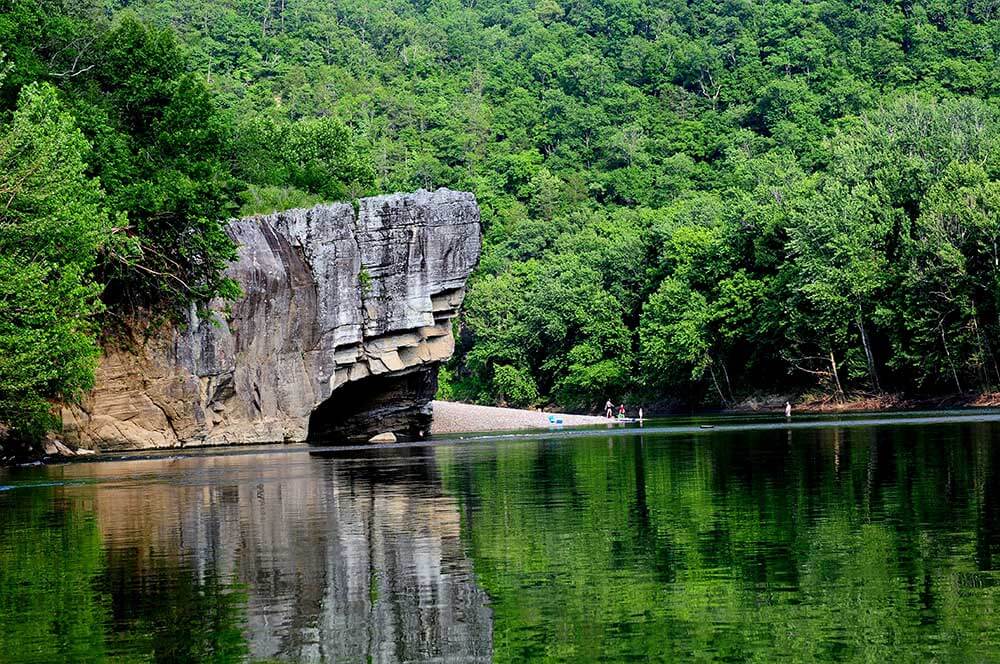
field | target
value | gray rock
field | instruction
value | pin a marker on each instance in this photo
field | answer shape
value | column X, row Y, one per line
column 344, row 320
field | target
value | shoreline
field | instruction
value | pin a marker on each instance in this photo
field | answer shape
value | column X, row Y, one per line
column 453, row 418
column 456, row 417
column 824, row 404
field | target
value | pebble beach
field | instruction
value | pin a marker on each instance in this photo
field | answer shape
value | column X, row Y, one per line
column 452, row 417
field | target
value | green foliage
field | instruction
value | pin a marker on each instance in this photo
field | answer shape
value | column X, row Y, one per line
column 892, row 250
column 267, row 199
column 165, row 151
column 312, row 155
column 446, row 384
column 53, row 222
column 159, row 141
column 513, row 386
column 365, row 281
column 159, row 145
column 674, row 332
column 126, row 131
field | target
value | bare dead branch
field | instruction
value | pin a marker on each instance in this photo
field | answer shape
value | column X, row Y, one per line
column 70, row 73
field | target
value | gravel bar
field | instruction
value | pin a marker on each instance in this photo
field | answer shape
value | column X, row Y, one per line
column 452, row 417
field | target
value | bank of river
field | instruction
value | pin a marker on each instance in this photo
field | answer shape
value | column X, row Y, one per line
column 847, row 538
column 860, row 403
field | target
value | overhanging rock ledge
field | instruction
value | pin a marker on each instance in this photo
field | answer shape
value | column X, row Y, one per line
column 345, row 318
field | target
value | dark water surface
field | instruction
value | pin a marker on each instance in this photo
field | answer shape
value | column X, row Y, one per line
column 855, row 540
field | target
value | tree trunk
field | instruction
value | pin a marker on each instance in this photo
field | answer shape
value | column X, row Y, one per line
column 869, row 358
column 993, row 357
column 983, row 368
column 947, row 354
column 715, row 381
column 836, row 376
column 267, row 14
column 984, row 346
column 729, row 385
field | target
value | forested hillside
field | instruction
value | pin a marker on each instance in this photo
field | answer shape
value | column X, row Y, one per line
column 681, row 198
column 697, row 199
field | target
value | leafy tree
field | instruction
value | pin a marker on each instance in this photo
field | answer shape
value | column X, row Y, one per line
column 839, row 268
column 317, row 156
column 159, row 143
column 513, row 386
column 53, row 223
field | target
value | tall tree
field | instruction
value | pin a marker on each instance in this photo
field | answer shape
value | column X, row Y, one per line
column 53, row 222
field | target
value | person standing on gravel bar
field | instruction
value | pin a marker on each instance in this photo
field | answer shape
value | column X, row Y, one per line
column 609, row 409
column 788, row 410
column 621, row 412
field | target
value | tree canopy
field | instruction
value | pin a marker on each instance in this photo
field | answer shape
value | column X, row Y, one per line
column 119, row 168
column 53, row 221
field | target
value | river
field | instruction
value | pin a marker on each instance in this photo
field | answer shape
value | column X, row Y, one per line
column 866, row 538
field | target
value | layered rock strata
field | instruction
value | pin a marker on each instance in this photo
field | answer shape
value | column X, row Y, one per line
column 346, row 313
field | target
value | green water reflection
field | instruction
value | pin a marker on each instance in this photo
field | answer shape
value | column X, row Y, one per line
column 64, row 598
column 875, row 544
column 50, row 560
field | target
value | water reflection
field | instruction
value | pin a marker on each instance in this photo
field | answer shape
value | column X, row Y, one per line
column 772, row 544
column 220, row 558
column 863, row 544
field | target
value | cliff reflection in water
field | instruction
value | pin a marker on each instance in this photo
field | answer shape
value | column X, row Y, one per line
column 308, row 559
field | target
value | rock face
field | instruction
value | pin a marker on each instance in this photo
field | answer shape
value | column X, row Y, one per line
column 345, row 317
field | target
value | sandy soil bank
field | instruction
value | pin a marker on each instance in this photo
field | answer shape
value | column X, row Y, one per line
column 452, row 417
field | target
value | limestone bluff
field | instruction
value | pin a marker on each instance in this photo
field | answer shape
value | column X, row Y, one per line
column 346, row 316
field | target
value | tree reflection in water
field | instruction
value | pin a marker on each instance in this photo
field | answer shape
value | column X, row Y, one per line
column 831, row 544
column 846, row 544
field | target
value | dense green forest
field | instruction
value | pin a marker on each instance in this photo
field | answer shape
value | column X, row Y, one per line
column 698, row 199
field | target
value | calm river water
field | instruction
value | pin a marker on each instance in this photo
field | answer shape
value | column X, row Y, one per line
column 864, row 539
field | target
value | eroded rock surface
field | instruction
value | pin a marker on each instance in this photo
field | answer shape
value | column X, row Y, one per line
column 332, row 297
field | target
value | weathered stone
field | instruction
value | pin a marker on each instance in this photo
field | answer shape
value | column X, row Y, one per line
column 387, row 437
column 53, row 447
column 63, row 450
column 331, row 297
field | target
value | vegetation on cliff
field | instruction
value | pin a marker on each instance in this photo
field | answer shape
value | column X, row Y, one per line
column 688, row 198
column 53, row 221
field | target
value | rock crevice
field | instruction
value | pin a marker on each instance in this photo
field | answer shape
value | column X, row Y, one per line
column 330, row 297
